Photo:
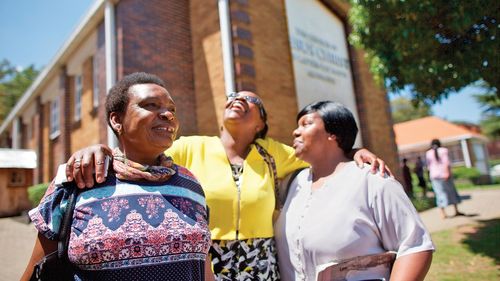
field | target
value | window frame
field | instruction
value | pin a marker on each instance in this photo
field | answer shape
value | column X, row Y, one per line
column 55, row 118
column 95, row 83
column 77, row 105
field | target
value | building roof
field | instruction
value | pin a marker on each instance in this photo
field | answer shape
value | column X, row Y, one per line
column 421, row 131
column 17, row 158
column 85, row 26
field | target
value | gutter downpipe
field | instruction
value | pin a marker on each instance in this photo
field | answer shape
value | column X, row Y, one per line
column 110, row 49
column 227, row 45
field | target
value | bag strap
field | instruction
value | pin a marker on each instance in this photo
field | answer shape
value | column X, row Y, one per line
column 65, row 230
column 289, row 179
column 269, row 159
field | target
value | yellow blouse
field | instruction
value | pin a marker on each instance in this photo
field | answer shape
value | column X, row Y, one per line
column 251, row 215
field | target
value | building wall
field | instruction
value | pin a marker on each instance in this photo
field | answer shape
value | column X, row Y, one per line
column 180, row 42
column 14, row 199
column 86, row 131
column 207, row 66
column 271, row 62
column 156, row 38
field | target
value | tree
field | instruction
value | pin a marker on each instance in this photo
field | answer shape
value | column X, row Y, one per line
column 490, row 122
column 13, row 84
column 433, row 47
column 404, row 110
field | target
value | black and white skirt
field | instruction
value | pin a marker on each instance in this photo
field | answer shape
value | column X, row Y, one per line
column 250, row 259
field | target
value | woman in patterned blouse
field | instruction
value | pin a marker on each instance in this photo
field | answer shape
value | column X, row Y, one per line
column 148, row 220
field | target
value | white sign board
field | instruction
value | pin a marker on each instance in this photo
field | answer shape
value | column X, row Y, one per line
column 320, row 55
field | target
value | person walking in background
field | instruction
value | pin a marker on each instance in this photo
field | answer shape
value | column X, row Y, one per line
column 439, row 166
column 419, row 171
column 408, row 186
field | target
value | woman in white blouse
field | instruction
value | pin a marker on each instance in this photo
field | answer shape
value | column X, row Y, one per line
column 335, row 211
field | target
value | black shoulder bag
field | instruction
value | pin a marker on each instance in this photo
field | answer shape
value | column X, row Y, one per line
column 56, row 266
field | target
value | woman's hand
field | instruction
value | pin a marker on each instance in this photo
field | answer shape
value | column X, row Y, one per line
column 363, row 155
column 84, row 162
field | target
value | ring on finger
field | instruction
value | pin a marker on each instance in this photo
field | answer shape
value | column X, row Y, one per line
column 99, row 162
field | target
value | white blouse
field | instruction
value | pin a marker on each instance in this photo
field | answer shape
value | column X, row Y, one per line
column 355, row 213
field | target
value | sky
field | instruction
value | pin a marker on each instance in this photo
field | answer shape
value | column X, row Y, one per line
column 32, row 32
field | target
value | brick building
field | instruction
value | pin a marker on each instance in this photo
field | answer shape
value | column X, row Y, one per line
column 291, row 52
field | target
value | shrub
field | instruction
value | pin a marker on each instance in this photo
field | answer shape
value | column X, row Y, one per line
column 423, row 203
column 471, row 174
column 36, row 192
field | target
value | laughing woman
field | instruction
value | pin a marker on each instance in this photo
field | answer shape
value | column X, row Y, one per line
column 148, row 220
column 335, row 211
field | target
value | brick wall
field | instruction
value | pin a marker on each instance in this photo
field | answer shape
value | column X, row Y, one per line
column 207, row 66
column 86, row 131
column 100, row 60
column 273, row 78
column 155, row 37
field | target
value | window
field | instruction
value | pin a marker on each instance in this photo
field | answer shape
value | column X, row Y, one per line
column 54, row 118
column 95, row 81
column 17, row 178
column 78, row 97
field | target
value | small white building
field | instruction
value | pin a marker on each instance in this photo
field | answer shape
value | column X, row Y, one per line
column 466, row 147
column 16, row 175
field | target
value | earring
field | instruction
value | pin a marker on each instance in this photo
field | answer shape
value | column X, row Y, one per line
column 119, row 129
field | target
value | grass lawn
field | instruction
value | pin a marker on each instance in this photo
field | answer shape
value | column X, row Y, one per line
column 469, row 252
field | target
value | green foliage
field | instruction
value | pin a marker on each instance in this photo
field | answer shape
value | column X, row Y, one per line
column 13, row 84
column 423, row 203
column 465, row 173
column 404, row 109
column 431, row 47
column 36, row 192
column 490, row 121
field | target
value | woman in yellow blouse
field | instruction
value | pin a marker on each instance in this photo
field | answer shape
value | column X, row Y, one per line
column 238, row 184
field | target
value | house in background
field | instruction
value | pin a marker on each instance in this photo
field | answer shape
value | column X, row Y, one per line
column 466, row 147
column 16, row 174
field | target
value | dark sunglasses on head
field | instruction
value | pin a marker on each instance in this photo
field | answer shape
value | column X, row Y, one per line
column 255, row 100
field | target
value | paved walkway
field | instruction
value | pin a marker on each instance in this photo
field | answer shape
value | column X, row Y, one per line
column 17, row 237
column 477, row 204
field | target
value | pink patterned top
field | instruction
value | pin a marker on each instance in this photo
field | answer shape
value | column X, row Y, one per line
column 124, row 230
column 438, row 169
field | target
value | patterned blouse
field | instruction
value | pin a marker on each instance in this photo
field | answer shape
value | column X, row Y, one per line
column 124, row 230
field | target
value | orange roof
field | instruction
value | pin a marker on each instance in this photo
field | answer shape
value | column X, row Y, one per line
column 425, row 129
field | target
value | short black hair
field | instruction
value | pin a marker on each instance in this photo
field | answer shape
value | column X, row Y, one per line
column 118, row 96
column 338, row 120
column 263, row 115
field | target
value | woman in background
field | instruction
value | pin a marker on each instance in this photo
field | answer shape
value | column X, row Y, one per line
column 438, row 164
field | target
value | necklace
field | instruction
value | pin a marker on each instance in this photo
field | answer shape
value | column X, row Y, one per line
column 236, row 170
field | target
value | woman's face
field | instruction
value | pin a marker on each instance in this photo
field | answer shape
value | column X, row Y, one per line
column 149, row 123
column 244, row 106
column 310, row 137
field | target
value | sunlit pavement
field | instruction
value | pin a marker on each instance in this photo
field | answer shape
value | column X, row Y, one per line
column 478, row 205
column 17, row 238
